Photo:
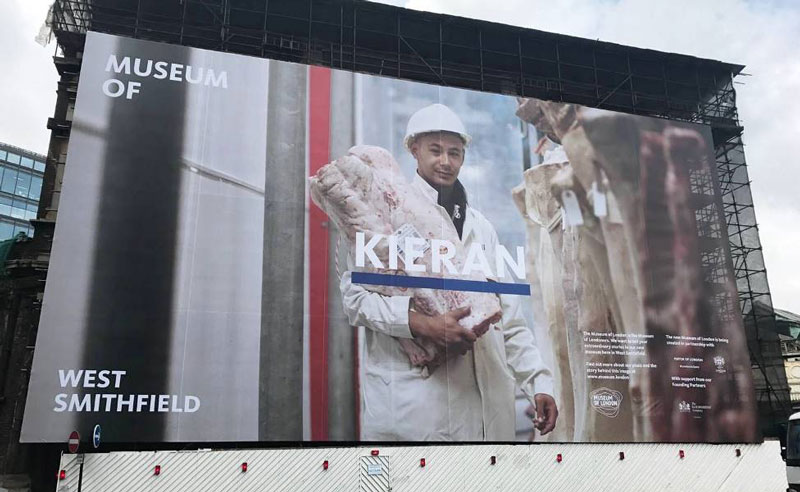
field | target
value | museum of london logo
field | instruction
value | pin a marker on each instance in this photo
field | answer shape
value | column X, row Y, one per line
column 606, row 401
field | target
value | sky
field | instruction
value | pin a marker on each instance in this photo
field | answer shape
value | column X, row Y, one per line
column 761, row 34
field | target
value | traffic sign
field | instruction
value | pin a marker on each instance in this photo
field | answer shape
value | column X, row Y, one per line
column 96, row 436
column 74, row 441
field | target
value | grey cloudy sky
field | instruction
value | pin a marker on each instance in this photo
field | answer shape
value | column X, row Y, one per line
column 761, row 34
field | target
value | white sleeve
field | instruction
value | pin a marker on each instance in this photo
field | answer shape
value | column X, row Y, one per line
column 387, row 315
column 522, row 355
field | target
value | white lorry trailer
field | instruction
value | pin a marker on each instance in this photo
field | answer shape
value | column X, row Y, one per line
column 792, row 452
column 540, row 467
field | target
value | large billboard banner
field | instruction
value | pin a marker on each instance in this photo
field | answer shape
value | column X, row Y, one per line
column 253, row 250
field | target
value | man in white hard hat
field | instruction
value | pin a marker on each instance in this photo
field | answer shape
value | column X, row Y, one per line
column 471, row 397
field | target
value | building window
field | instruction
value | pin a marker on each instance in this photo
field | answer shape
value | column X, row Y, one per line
column 19, row 209
column 26, row 162
column 36, row 188
column 3, row 154
column 5, row 205
column 9, row 183
column 20, row 228
column 23, row 184
column 13, row 158
column 6, row 230
column 39, row 166
column 31, row 210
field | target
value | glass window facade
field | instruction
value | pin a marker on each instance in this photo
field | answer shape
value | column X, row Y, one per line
column 6, row 230
column 19, row 182
column 10, row 229
column 23, row 184
column 32, row 209
column 18, row 209
column 5, row 205
column 20, row 189
column 9, row 181
column 36, row 188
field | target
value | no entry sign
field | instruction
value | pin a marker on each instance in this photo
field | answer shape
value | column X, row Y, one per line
column 74, row 441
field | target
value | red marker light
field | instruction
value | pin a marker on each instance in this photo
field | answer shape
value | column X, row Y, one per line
column 493, row 460
column 62, row 474
column 244, row 467
column 422, row 462
column 559, row 458
column 325, row 465
column 375, row 452
column 157, row 470
column 681, row 454
column 621, row 455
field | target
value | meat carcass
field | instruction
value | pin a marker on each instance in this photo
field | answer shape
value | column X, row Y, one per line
column 649, row 164
column 545, row 269
column 365, row 191
column 595, row 320
column 588, row 279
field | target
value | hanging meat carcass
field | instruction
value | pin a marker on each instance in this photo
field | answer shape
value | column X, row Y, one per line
column 545, row 268
column 595, row 325
column 619, row 218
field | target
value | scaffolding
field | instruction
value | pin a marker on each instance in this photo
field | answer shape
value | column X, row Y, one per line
column 365, row 37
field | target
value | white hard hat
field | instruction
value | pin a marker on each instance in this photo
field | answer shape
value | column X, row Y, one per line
column 435, row 118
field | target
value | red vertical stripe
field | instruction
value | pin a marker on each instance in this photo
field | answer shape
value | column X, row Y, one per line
column 319, row 104
column 357, row 379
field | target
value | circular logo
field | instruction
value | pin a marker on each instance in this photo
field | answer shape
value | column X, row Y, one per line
column 606, row 401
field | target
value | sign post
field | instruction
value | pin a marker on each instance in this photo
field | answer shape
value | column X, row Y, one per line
column 73, row 443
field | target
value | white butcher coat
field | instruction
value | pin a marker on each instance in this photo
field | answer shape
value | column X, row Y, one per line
column 471, row 397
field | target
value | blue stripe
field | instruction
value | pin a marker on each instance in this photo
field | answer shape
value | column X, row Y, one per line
column 440, row 283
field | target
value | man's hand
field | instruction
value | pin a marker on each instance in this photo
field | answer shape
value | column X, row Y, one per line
column 444, row 329
column 545, row 414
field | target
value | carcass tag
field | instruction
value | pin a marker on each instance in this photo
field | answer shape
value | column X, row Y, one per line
column 599, row 199
column 572, row 210
column 614, row 213
column 408, row 231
